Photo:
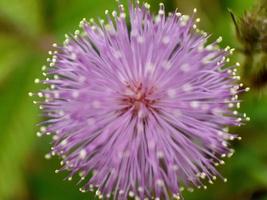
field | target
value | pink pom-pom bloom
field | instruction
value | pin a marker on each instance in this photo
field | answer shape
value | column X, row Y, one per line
column 140, row 109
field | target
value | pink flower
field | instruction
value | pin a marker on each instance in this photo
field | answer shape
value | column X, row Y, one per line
column 143, row 108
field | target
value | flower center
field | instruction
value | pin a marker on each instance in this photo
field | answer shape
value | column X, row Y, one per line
column 138, row 98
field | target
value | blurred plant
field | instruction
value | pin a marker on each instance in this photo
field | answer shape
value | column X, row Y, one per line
column 27, row 29
column 251, row 30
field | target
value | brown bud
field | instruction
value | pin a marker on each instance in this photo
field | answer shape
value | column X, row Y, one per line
column 249, row 31
column 259, row 78
column 264, row 43
column 251, row 28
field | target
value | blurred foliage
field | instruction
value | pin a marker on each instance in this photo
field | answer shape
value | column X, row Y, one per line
column 27, row 30
column 251, row 31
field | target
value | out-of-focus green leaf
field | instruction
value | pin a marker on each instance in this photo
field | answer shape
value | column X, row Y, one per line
column 11, row 56
column 26, row 15
column 17, row 122
column 255, row 106
column 47, row 185
column 70, row 13
column 239, row 6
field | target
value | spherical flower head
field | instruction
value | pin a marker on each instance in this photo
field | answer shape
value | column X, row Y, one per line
column 140, row 109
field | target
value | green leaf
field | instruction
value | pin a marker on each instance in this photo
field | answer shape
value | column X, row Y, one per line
column 25, row 15
column 12, row 55
column 238, row 6
column 17, row 121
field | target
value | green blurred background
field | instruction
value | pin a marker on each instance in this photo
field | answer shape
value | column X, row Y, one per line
column 27, row 30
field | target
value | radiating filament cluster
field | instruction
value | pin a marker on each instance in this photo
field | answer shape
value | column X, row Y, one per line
column 140, row 110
